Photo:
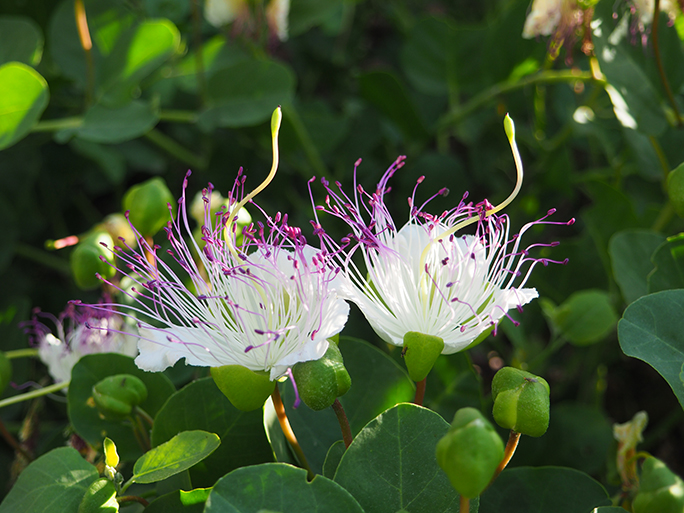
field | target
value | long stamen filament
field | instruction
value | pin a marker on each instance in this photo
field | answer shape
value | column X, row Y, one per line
column 276, row 119
column 509, row 127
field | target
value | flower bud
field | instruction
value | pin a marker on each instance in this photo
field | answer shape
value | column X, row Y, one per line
column 147, row 204
column 420, row 353
column 246, row 389
column 100, row 497
column 661, row 490
column 321, row 381
column 116, row 396
column 5, row 371
column 521, row 401
column 86, row 260
column 675, row 189
column 118, row 227
column 470, row 452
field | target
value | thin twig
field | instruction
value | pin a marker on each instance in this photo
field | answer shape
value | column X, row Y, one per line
column 13, row 442
column 420, row 392
column 344, row 423
column 132, row 498
column 287, row 431
column 33, row 394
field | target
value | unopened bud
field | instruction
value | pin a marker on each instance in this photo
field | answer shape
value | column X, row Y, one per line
column 86, row 260
column 660, row 491
column 470, row 452
column 147, row 204
column 521, row 401
column 321, row 381
column 246, row 389
column 420, row 353
column 116, row 396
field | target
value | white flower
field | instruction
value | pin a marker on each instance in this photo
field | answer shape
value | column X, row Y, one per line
column 81, row 330
column 644, row 9
column 277, row 13
column 222, row 12
column 267, row 305
column 543, row 19
column 424, row 277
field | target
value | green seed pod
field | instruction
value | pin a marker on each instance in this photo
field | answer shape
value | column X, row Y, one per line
column 470, row 452
column 246, row 389
column 87, row 260
column 420, row 353
column 321, row 381
column 675, row 189
column 661, row 491
column 115, row 396
column 5, row 371
column 100, row 497
column 521, row 401
column 147, row 204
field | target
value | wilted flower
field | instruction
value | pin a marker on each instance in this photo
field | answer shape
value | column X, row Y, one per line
column 267, row 305
column 80, row 330
column 222, row 12
column 424, row 277
column 560, row 19
column 628, row 435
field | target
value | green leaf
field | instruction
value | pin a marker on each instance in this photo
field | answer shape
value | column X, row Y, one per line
column 586, row 317
column 23, row 97
column 305, row 14
column 178, row 454
column 84, row 416
column 332, row 459
column 651, row 330
column 668, row 260
column 246, row 93
column 105, row 125
column 175, row 10
column 384, row 91
column 391, row 464
column 137, row 53
column 542, row 489
column 278, row 487
column 22, row 40
column 201, row 405
column 609, row 509
column 634, row 98
column 378, row 383
column 180, row 501
column 60, row 477
column 630, row 254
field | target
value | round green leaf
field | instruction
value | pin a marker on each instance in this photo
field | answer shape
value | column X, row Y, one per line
column 104, row 125
column 332, row 459
column 23, row 97
column 178, row 454
column 391, row 464
column 651, row 330
column 201, row 405
column 542, row 489
column 278, row 487
column 84, row 415
column 586, row 317
column 630, row 254
column 246, row 93
column 21, row 40
column 378, row 383
column 60, row 477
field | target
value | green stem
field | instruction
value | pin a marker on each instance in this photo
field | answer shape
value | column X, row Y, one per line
column 34, row 393
column 659, row 62
column 146, row 416
column 21, row 353
column 543, row 77
column 52, row 125
column 42, row 257
column 307, row 143
column 554, row 345
column 178, row 116
column 199, row 54
column 175, row 149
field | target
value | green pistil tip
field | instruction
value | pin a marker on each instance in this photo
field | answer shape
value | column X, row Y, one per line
column 509, row 127
column 276, row 118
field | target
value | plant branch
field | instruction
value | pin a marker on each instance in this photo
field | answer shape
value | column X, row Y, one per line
column 287, row 431
column 33, row 394
column 464, row 506
column 659, row 63
column 344, row 423
column 420, row 392
column 511, row 446
column 43, row 257
column 132, row 498
column 53, row 125
column 13, row 442
column 21, row 353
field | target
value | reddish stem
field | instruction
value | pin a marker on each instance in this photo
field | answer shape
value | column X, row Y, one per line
column 344, row 423
column 420, row 392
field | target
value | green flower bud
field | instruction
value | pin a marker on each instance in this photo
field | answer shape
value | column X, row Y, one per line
column 321, row 381
column 521, row 401
column 470, row 452
column 100, row 497
column 661, row 490
column 147, row 204
column 118, row 227
column 87, row 260
column 116, row 396
column 5, row 371
column 420, row 353
column 675, row 189
column 246, row 389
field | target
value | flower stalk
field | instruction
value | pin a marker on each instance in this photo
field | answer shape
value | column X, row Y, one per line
column 344, row 423
column 289, row 433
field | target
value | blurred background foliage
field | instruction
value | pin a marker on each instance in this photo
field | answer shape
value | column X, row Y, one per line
column 373, row 80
